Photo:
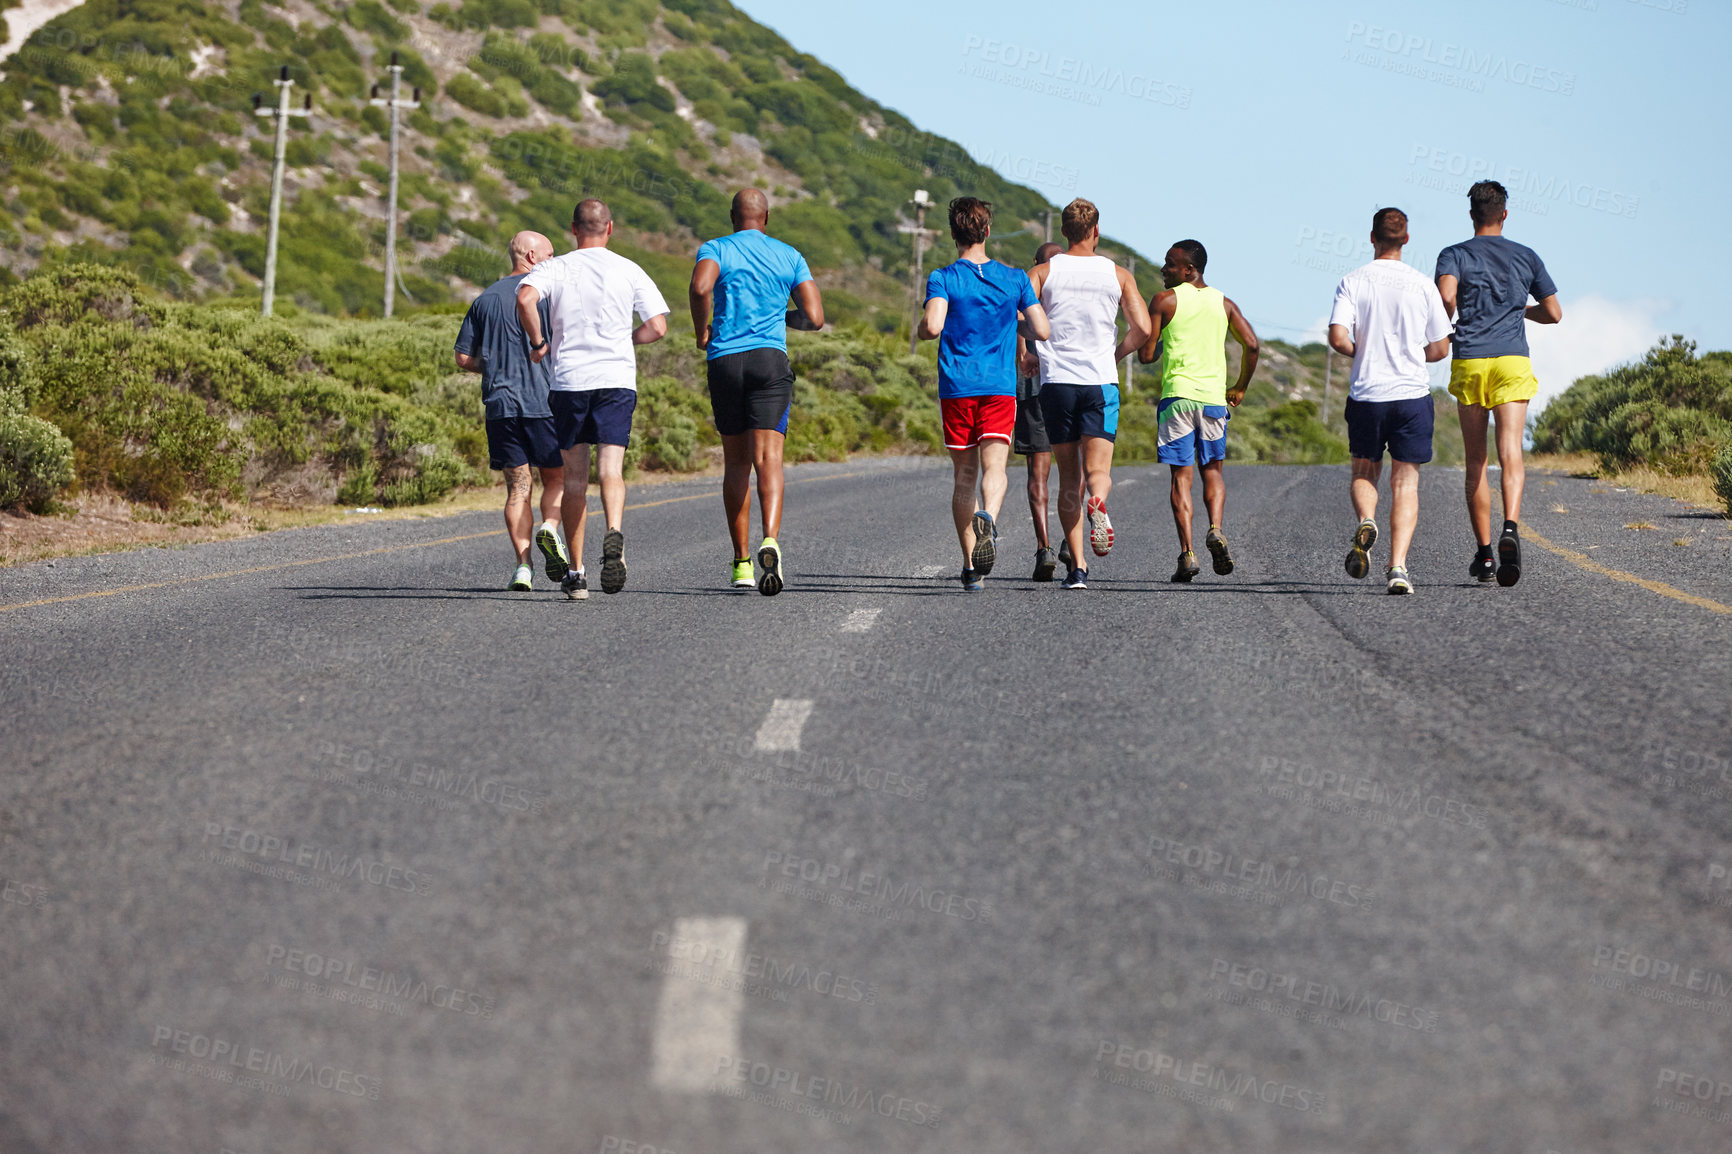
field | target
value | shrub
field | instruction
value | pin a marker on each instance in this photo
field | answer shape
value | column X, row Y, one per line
column 35, row 460
column 1721, row 472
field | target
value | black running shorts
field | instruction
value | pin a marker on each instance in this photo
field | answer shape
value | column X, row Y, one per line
column 751, row 390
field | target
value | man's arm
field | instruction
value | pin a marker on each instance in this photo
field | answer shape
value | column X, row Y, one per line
column 1033, row 324
column 529, row 316
column 1547, row 312
column 468, row 363
column 1161, row 309
column 808, row 314
column 1342, row 342
column 1446, row 288
column 1437, row 350
column 651, row 330
column 932, row 320
column 703, row 289
column 1241, row 330
column 1137, row 323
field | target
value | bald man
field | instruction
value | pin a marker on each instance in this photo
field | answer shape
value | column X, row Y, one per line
column 514, row 388
column 745, row 280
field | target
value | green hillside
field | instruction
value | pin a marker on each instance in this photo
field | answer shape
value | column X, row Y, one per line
column 127, row 140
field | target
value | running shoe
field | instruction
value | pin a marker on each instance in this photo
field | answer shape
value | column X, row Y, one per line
column 1483, row 568
column 1509, row 558
column 742, row 577
column 520, row 579
column 770, row 561
column 1045, row 565
column 1100, row 527
column 1076, row 579
column 551, row 542
column 985, row 542
column 1358, row 559
column 1218, row 551
column 1188, row 567
column 613, row 561
column 971, row 582
column 1398, row 582
column 575, row 586
column 1064, row 557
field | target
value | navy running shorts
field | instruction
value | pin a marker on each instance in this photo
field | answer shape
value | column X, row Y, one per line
column 1073, row 412
column 593, row 416
column 1404, row 426
column 516, row 441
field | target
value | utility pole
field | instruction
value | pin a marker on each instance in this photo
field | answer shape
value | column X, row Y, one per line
column 1328, row 368
column 921, row 203
column 282, row 112
column 1049, row 224
column 396, row 105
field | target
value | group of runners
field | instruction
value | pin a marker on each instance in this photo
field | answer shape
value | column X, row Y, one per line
column 1026, row 360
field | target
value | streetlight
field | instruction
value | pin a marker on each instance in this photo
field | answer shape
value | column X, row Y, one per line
column 282, row 112
column 396, row 105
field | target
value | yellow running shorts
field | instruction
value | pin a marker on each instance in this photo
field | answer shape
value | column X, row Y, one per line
column 1492, row 381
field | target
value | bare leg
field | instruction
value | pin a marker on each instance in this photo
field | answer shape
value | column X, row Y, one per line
column 1512, row 420
column 737, row 490
column 1039, row 471
column 767, row 460
column 1182, row 508
column 965, row 466
column 1403, row 509
column 1364, row 487
column 994, row 476
column 612, row 469
column 1097, row 454
column 1473, row 428
column 576, row 511
column 1214, row 492
column 1069, row 458
column 519, row 522
column 552, row 493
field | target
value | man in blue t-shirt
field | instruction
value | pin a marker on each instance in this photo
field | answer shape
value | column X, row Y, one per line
column 1486, row 282
column 975, row 309
column 514, row 389
column 745, row 280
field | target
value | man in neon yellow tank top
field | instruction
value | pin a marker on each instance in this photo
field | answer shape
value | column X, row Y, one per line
column 1191, row 323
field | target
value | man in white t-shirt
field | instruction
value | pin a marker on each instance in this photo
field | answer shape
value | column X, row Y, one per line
column 1389, row 318
column 591, row 296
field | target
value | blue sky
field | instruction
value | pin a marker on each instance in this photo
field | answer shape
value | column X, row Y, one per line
column 1271, row 131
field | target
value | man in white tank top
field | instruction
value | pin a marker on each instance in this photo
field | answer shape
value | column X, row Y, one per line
column 1084, row 294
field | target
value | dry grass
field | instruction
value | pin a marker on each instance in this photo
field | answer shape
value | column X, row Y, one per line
column 1695, row 490
column 1681, row 542
column 1642, row 525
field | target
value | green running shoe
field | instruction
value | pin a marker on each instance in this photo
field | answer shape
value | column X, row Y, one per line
column 1358, row 558
column 520, row 579
column 551, row 542
column 770, row 561
column 742, row 577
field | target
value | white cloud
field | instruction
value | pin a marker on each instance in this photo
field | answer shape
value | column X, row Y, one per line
column 1596, row 334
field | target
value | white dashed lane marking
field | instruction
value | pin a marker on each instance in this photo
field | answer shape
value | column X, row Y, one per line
column 698, row 1017
column 781, row 730
column 860, row 620
column 926, row 571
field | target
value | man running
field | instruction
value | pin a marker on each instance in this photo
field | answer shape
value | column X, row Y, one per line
column 591, row 294
column 1083, row 294
column 514, row 388
column 1485, row 283
column 972, row 311
column 747, row 276
column 1389, row 320
column 1032, row 441
column 1192, row 321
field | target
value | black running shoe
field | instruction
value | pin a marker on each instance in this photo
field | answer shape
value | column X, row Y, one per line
column 575, row 586
column 1358, row 557
column 985, row 542
column 1188, row 567
column 1483, row 567
column 1064, row 557
column 1218, row 551
column 971, row 582
column 613, row 561
column 1509, row 558
column 1045, row 565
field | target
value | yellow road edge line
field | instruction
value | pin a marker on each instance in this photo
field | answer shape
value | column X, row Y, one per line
column 345, row 556
column 1583, row 561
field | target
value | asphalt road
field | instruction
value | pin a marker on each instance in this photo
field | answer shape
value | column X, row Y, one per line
column 321, row 842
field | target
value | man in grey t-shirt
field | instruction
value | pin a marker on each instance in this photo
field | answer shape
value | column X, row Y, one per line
column 520, row 431
column 1486, row 282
